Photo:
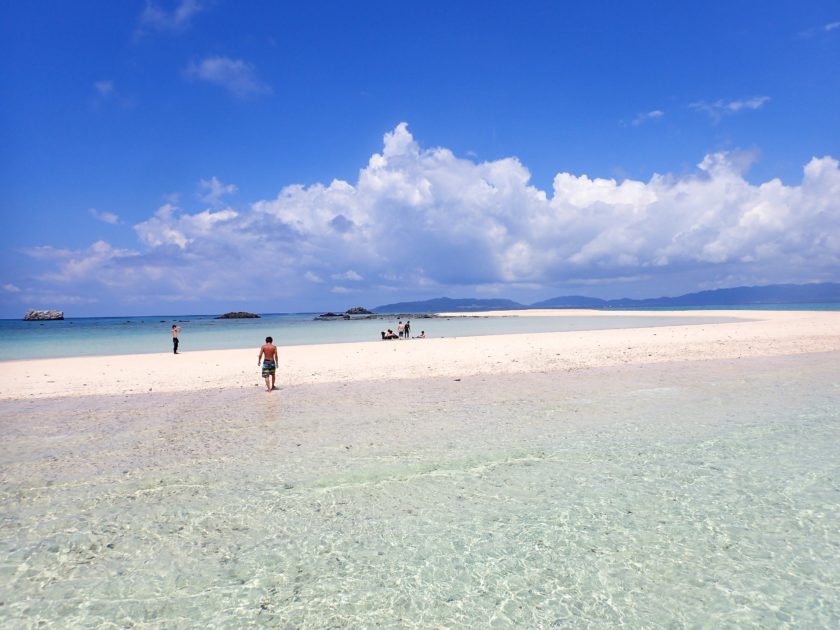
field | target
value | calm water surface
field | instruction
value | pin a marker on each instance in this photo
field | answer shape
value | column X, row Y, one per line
column 697, row 494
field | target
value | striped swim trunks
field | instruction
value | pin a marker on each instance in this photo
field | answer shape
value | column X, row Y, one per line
column 268, row 368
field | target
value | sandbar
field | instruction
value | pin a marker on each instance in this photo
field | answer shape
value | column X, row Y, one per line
column 758, row 333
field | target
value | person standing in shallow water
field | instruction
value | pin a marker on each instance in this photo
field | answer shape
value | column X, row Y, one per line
column 175, row 331
column 269, row 365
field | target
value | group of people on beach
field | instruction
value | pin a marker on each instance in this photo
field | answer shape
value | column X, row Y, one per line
column 403, row 332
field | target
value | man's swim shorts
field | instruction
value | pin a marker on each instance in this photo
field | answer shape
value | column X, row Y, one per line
column 268, row 368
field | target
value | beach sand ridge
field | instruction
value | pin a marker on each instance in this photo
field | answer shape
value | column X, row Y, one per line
column 759, row 334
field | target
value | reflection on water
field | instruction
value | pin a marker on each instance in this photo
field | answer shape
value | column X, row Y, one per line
column 699, row 494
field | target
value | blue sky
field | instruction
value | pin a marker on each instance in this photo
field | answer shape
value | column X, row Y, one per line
column 197, row 156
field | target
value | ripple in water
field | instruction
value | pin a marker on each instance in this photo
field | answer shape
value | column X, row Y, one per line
column 699, row 494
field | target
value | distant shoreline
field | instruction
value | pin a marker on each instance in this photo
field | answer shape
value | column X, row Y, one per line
column 753, row 334
column 786, row 306
column 107, row 337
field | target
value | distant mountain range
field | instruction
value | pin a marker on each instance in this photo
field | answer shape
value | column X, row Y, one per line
column 448, row 305
column 739, row 296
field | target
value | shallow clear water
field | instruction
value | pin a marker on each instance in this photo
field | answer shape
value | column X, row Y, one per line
column 697, row 494
column 138, row 335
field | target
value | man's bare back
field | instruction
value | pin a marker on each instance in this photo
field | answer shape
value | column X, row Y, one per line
column 269, row 351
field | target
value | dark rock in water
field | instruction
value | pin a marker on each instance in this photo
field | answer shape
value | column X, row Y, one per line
column 350, row 313
column 33, row 315
column 238, row 315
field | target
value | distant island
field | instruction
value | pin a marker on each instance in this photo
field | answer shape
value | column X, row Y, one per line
column 37, row 316
column 357, row 312
column 444, row 305
column 817, row 293
column 239, row 315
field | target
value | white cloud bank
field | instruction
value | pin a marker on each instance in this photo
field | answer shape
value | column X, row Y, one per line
column 420, row 221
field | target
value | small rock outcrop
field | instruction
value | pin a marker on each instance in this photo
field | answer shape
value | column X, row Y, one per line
column 239, row 315
column 330, row 315
column 33, row 315
column 358, row 310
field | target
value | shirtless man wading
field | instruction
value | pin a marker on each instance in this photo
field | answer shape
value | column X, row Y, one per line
column 269, row 366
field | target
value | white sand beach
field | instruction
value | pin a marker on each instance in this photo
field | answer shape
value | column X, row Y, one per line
column 758, row 334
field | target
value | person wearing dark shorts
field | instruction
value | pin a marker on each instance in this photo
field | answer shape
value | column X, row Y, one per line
column 175, row 331
column 268, row 351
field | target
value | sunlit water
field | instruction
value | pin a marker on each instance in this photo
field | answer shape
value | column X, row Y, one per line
column 698, row 494
column 137, row 335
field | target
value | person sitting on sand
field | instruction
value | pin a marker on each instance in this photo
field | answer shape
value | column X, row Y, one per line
column 269, row 366
column 422, row 335
column 389, row 335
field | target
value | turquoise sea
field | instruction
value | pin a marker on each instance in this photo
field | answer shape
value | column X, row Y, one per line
column 690, row 495
column 136, row 335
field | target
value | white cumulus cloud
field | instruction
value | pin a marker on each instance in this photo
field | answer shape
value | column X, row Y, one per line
column 424, row 219
column 169, row 226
